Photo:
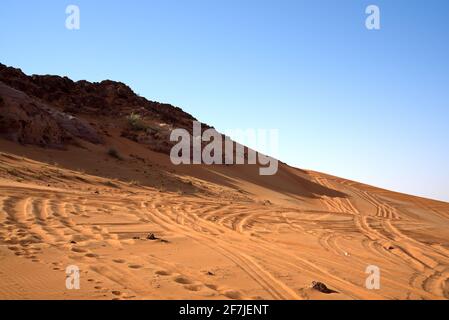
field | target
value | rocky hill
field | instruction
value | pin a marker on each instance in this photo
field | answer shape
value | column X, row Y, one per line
column 52, row 111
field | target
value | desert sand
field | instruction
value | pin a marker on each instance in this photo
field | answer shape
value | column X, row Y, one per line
column 139, row 227
column 238, row 239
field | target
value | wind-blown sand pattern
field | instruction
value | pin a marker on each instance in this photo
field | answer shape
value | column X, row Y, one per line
column 231, row 245
column 82, row 183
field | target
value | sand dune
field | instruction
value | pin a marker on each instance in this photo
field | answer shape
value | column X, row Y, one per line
column 82, row 185
column 217, row 243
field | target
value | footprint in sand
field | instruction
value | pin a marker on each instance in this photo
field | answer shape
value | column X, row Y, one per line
column 118, row 260
column 91, row 255
column 25, row 243
column 134, row 266
column 193, row 287
column 232, row 294
column 182, row 280
column 163, row 273
column 211, row 286
column 79, row 250
column 116, row 293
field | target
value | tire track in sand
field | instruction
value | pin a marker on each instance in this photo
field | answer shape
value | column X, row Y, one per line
column 275, row 287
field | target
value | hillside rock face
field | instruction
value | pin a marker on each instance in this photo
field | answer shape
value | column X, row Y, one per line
column 107, row 98
column 49, row 110
column 27, row 121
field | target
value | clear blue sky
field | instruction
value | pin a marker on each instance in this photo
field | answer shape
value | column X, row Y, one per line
column 367, row 105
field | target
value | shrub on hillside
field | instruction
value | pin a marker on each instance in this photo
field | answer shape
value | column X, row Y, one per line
column 135, row 122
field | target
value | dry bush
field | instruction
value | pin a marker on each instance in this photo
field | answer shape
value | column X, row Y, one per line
column 114, row 153
column 136, row 122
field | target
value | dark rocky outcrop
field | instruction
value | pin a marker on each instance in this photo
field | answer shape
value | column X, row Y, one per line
column 107, row 97
column 29, row 121
column 49, row 110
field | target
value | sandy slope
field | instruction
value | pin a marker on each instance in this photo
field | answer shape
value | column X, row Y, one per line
column 243, row 238
column 224, row 232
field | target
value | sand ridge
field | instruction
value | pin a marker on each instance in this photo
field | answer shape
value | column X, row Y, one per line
column 246, row 242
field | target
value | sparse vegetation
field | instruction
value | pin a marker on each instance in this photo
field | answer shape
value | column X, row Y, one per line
column 136, row 123
column 13, row 172
column 134, row 183
column 111, row 184
column 114, row 153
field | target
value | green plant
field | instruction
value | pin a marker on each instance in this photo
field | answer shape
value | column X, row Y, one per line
column 135, row 122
